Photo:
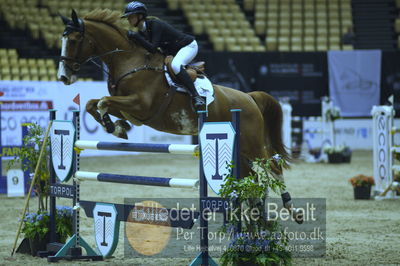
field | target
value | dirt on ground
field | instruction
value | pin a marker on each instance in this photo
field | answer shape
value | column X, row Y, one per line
column 359, row 232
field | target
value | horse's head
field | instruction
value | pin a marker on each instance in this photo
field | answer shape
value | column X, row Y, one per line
column 75, row 49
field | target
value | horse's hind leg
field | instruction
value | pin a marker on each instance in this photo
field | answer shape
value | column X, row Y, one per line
column 277, row 173
column 297, row 214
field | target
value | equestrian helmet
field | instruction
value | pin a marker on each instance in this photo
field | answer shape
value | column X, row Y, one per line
column 135, row 7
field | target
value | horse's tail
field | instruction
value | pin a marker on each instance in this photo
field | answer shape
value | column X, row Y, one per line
column 273, row 121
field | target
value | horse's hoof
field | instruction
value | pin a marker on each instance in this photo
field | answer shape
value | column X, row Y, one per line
column 122, row 135
column 123, row 124
column 298, row 215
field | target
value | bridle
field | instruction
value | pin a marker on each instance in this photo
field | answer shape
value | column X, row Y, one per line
column 76, row 66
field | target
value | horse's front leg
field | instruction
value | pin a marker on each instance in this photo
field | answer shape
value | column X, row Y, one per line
column 91, row 108
column 120, row 126
column 114, row 105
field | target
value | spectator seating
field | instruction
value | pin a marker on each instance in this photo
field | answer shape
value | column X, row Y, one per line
column 397, row 23
column 301, row 25
column 285, row 25
column 279, row 25
column 223, row 21
column 12, row 67
column 40, row 17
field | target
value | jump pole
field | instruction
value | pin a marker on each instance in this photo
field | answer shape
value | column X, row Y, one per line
column 138, row 180
column 138, row 147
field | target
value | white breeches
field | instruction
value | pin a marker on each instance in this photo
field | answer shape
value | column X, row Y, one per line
column 184, row 56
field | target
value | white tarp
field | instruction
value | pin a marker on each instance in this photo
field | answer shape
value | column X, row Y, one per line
column 354, row 80
column 355, row 133
column 29, row 101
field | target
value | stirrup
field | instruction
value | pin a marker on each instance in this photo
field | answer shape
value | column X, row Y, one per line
column 198, row 103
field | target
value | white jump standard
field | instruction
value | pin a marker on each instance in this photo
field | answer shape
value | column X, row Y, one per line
column 384, row 149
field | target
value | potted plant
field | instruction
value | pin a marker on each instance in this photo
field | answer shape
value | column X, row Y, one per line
column 28, row 158
column 338, row 154
column 36, row 228
column 396, row 178
column 396, row 154
column 35, row 225
column 332, row 113
column 362, row 186
column 256, row 243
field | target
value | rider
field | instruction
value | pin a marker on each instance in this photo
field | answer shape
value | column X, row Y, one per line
column 155, row 33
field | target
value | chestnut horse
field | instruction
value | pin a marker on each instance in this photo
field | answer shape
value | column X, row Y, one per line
column 139, row 91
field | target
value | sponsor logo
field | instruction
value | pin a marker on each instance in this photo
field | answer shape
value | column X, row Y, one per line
column 217, row 141
column 26, row 105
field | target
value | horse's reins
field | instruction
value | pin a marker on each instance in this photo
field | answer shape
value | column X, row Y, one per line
column 77, row 64
column 168, row 95
column 135, row 70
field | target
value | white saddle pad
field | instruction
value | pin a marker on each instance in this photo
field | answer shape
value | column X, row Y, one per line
column 203, row 86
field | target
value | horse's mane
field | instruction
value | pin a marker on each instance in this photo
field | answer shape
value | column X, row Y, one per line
column 109, row 17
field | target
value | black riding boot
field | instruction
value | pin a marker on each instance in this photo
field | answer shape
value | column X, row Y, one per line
column 186, row 81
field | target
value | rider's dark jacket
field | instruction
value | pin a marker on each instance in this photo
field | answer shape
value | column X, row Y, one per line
column 159, row 34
